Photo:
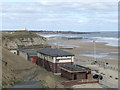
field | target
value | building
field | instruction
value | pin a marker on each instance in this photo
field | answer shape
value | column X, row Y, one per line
column 76, row 72
column 30, row 55
column 14, row 51
column 52, row 59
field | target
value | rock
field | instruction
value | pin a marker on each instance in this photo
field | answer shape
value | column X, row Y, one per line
column 24, row 39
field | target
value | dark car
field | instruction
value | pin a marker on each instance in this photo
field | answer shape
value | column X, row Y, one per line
column 97, row 76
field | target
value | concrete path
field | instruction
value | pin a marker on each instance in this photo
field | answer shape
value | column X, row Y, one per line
column 28, row 84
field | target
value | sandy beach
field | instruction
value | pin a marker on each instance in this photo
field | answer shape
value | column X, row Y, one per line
column 106, row 54
column 101, row 48
column 85, row 51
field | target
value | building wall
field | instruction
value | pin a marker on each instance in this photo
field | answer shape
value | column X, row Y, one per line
column 62, row 59
column 50, row 66
column 67, row 74
column 24, row 55
column 81, row 75
column 14, row 52
column 53, row 63
column 89, row 76
column 39, row 62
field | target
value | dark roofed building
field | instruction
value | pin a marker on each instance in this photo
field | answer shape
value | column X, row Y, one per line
column 29, row 54
column 75, row 68
column 52, row 59
column 75, row 72
column 54, row 52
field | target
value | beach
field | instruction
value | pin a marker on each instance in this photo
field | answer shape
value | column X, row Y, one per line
column 85, row 50
column 85, row 55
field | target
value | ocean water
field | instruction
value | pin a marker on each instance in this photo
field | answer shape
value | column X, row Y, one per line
column 109, row 37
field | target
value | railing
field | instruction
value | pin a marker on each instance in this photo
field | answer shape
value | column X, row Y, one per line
column 106, row 66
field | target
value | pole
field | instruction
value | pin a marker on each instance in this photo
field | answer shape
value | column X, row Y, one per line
column 94, row 50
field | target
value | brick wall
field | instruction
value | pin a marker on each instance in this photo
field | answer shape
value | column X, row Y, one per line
column 67, row 75
column 89, row 76
column 54, row 67
column 81, row 75
column 75, row 82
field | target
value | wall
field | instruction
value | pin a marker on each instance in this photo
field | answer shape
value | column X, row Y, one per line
column 89, row 76
column 24, row 55
column 62, row 59
column 67, row 74
column 77, row 82
column 70, row 76
column 53, row 63
column 50, row 66
column 81, row 75
column 14, row 52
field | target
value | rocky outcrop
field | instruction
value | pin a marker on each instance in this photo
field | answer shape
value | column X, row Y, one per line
column 23, row 39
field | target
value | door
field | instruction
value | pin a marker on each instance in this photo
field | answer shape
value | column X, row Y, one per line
column 75, row 76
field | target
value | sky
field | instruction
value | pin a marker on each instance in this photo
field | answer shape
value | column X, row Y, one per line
column 60, row 16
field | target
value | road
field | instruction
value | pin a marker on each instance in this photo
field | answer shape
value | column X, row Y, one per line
column 28, row 82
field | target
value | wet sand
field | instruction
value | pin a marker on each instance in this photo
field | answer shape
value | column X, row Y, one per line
column 88, row 49
column 83, row 49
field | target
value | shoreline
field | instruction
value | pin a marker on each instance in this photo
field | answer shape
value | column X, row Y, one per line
column 87, row 48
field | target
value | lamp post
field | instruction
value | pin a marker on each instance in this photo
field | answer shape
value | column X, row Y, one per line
column 94, row 50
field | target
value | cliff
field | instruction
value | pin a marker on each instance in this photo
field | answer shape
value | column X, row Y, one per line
column 16, row 69
column 23, row 39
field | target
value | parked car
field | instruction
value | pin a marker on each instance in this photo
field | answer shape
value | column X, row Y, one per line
column 98, row 76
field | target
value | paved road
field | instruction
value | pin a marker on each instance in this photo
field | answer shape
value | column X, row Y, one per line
column 28, row 84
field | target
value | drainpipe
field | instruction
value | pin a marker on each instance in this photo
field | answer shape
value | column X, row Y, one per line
column 43, row 61
column 71, row 59
column 54, row 64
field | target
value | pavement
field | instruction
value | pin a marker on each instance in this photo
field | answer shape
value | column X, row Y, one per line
column 94, row 85
column 28, row 84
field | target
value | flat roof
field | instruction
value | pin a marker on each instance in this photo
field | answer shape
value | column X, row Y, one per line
column 54, row 52
column 74, row 67
column 29, row 52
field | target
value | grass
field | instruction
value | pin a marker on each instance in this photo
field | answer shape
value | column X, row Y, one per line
column 44, row 84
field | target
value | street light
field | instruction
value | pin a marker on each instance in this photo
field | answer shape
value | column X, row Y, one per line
column 94, row 50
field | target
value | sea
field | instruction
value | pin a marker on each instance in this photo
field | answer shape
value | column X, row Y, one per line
column 111, row 38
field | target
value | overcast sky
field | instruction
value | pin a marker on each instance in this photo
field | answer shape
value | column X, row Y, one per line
column 69, row 16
